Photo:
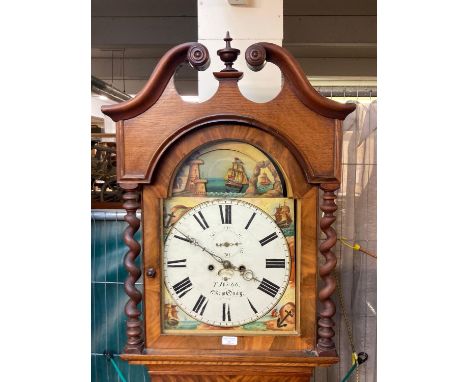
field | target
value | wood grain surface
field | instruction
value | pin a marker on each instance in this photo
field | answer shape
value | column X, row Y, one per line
column 312, row 138
column 174, row 365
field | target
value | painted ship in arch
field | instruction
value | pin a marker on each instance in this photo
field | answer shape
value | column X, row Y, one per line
column 264, row 180
column 283, row 216
column 236, row 177
column 227, row 169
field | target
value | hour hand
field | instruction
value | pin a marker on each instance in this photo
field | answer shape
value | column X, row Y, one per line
column 246, row 274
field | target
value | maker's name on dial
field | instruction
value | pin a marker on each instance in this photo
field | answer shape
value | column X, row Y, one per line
column 224, row 284
column 227, row 293
column 223, row 288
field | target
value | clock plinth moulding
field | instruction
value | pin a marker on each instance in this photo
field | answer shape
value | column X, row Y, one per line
column 301, row 131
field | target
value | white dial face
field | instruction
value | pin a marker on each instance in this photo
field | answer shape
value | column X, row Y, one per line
column 226, row 263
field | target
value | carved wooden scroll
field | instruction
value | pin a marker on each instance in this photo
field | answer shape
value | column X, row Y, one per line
column 325, row 324
column 135, row 342
column 258, row 54
column 194, row 53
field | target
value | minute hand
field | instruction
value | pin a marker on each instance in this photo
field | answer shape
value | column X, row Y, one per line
column 246, row 274
column 193, row 241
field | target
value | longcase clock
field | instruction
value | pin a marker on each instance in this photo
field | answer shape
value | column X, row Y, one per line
column 229, row 193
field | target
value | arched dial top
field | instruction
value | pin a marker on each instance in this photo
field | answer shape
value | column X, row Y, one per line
column 226, row 263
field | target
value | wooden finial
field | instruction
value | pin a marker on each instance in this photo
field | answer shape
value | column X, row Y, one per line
column 228, row 55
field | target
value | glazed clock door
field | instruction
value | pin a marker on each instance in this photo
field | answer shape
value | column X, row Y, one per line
column 229, row 248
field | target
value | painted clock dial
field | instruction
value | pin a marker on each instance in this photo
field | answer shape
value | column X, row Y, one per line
column 226, row 262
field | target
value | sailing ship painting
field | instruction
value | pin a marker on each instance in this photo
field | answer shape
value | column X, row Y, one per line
column 236, row 177
column 233, row 169
column 283, row 216
column 264, row 180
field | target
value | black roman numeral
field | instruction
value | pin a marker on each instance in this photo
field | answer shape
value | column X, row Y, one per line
column 182, row 287
column 182, row 238
column 268, row 287
column 275, row 263
column 226, row 217
column 177, row 263
column 269, row 238
column 250, row 220
column 199, row 305
column 253, row 307
column 226, row 312
column 202, row 222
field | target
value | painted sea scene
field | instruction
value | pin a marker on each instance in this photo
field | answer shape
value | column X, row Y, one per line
column 282, row 317
column 233, row 169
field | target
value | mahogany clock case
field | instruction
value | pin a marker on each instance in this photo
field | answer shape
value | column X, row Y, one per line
column 301, row 131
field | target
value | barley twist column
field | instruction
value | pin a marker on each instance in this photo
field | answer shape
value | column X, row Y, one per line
column 325, row 332
column 135, row 342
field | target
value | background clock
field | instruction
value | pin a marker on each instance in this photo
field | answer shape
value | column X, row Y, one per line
column 232, row 185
